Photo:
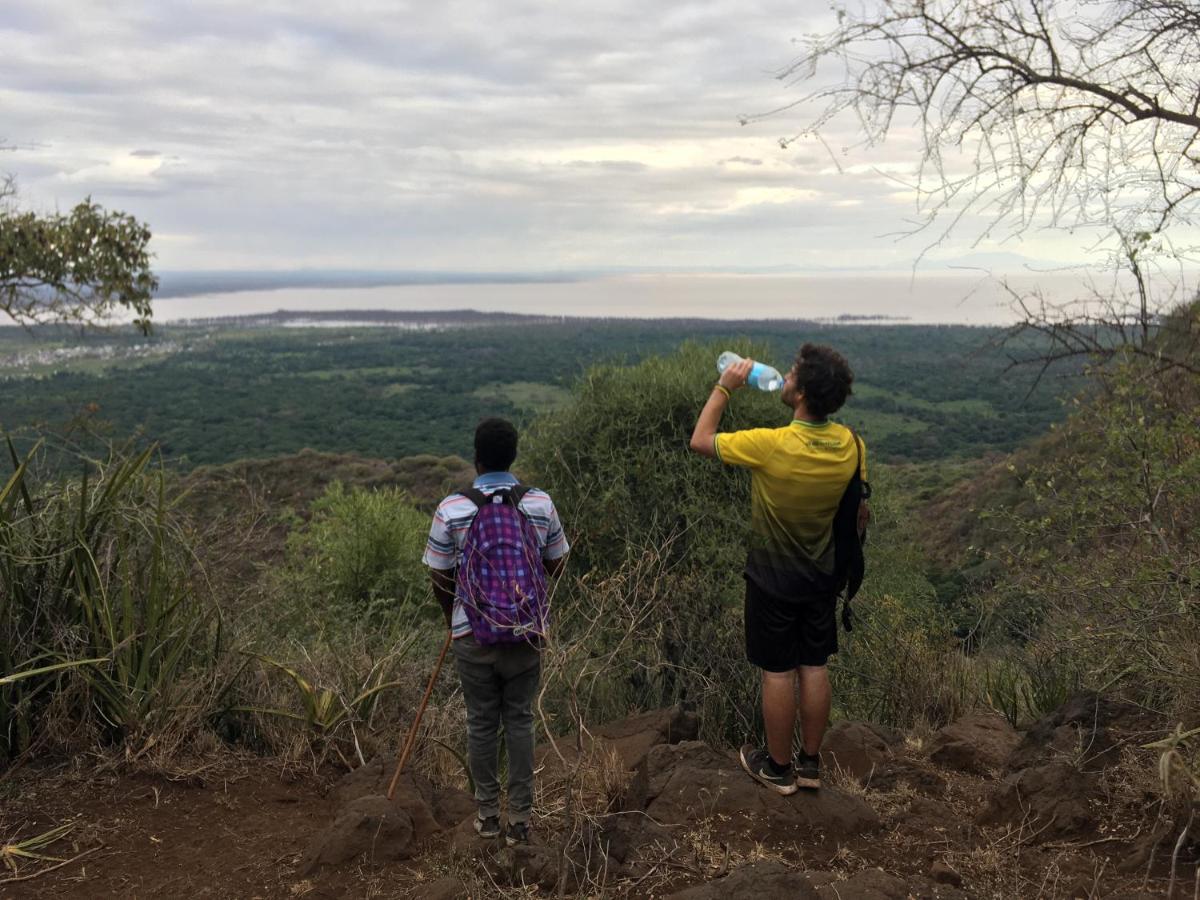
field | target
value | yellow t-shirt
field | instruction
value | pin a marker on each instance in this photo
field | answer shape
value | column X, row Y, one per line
column 798, row 475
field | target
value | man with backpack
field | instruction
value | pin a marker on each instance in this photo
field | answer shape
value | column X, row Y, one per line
column 807, row 516
column 491, row 549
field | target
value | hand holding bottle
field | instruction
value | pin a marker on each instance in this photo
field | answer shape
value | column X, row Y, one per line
column 762, row 376
column 736, row 374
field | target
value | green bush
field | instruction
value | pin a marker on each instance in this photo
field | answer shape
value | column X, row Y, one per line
column 356, row 562
column 617, row 463
column 349, row 626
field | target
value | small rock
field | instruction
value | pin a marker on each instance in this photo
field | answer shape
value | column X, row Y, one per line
column 466, row 843
column 633, row 737
column 623, row 836
column 529, row 864
column 942, row 873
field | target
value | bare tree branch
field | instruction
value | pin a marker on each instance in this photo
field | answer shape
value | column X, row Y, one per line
column 1075, row 112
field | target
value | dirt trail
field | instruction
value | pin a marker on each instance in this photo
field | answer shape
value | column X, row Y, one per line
column 978, row 811
column 231, row 836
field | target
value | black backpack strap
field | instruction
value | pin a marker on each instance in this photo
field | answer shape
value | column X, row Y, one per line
column 511, row 495
column 476, row 496
column 847, row 613
column 866, row 485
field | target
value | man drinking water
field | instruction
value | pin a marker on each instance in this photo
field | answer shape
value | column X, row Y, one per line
column 799, row 474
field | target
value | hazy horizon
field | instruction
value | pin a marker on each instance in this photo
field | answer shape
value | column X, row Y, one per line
column 943, row 298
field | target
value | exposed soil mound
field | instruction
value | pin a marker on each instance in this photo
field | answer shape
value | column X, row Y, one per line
column 978, row 742
column 633, row 738
column 1088, row 729
column 367, row 824
column 859, row 749
column 757, row 881
column 1051, row 801
column 682, row 784
column 629, row 739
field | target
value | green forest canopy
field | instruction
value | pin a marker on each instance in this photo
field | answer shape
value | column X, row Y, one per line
column 214, row 395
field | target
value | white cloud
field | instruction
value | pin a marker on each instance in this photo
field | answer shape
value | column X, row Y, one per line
column 468, row 134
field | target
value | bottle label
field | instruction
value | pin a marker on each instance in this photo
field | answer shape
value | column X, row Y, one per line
column 755, row 373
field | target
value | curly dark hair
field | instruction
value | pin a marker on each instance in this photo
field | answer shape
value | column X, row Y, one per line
column 825, row 378
column 495, row 444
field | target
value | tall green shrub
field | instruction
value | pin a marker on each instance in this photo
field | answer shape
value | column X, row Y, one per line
column 101, row 605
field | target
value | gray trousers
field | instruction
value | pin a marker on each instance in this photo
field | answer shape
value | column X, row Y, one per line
column 499, row 685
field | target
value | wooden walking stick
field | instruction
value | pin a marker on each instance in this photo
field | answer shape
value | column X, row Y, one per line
column 412, row 731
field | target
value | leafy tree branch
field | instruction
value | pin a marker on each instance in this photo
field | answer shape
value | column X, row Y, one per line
column 80, row 267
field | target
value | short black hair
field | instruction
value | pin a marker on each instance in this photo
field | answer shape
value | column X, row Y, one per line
column 495, row 444
column 825, row 378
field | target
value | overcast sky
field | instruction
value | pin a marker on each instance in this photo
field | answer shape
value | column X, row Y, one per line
column 463, row 135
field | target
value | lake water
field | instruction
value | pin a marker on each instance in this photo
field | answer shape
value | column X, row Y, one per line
column 952, row 298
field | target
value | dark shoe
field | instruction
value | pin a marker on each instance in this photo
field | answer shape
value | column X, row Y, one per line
column 487, row 827
column 758, row 766
column 808, row 771
column 516, row 833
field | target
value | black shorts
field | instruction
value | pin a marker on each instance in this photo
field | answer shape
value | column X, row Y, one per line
column 784, row 634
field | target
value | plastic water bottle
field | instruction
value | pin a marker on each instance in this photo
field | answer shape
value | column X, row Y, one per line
column 762, row 376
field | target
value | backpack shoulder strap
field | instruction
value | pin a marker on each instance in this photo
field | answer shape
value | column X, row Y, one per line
column 866, row 485
column 511, row 495
column 476, row 496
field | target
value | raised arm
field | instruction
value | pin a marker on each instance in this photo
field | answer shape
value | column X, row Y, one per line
column 705, row 433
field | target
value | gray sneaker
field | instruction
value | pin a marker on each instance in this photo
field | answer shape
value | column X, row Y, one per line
column 808, row 771
column 757, row 763
column 488, row 827
column 516, row 833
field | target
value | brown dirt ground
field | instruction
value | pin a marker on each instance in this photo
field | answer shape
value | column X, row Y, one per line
column 241, row 832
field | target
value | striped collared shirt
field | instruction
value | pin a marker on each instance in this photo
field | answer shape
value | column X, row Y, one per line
column 453, row 519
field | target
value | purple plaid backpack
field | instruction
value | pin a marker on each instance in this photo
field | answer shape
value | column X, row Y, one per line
column 500, row 579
